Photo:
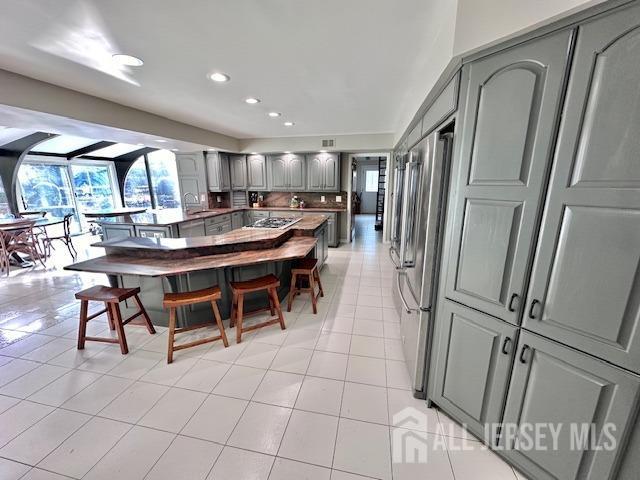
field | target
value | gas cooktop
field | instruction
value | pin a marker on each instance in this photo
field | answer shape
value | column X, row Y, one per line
column 273, row 222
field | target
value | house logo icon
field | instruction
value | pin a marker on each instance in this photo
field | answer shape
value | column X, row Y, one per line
column 409, row 438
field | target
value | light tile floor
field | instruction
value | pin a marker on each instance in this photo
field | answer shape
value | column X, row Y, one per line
column 316, row 401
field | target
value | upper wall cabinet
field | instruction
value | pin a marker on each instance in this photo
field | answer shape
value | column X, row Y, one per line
column 192, row 178
column 585, row 287
column 323, row 172
column 218, row 172
column 509, row 113
column 257, row 172
column 286, row 172
column 238, row 168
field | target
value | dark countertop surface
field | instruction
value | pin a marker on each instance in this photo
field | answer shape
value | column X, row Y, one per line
column 293, row 248
column 252, row 237
column 174, row 216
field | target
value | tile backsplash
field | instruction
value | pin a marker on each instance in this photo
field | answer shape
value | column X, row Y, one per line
column 312, row 199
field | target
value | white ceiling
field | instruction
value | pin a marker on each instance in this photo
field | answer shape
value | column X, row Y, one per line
column 331, row 66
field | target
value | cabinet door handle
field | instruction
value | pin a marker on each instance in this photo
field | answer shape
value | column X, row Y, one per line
column 506, row 346
column 532, row 315
column 515, row 296
column 524, row 350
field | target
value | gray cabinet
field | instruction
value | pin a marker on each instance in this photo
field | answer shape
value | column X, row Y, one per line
column 237, row 220
column 194, row 228
column 257, row 172
column 333, row 236
column 192, row 178
column 286, row 172
column 585, row 285
column 323, row 172
column 254, row 215
column 555, row 384
column 474, row 360
column 112, row 231
column 218, row 172
column 238, row 169
column 285, row 213
column 503, row 154
column 218, row 224
column 321, row 251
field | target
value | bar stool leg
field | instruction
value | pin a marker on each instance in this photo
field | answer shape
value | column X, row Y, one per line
column 117, row 319
column 172, row 333
column 274, row 294
column 112, row 326
column 240, row 306
column 234, row 310
column 216, row 314
column 271, row 310
column 147, row 320
column 82, row 328
column 316, row 273
column 292, row 289
column 312, row 290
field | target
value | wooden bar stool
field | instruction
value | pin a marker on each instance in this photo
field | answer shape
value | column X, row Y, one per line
column 111, row 297
column 307, row 267
column 239, row 289
column 174, row 300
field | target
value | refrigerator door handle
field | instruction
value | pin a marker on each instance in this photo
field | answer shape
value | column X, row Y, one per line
column 393, row 260
column 406, row 306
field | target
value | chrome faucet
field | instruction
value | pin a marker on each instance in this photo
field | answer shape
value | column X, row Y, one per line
column 184, row 199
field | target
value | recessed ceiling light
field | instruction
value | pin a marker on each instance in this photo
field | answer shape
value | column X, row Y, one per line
column 323, row 151
column 160, row 140
column 141, row 144
column 288, row 124
column 219, row 77
column 211, row 149
column 274, row 114
column 127, row 60
column 174, row 149
column 252, row 101
column 287, row 151
column 254, row 153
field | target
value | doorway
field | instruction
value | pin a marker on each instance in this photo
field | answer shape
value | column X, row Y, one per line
column 367, row 191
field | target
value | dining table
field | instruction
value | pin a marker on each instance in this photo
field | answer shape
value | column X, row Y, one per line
column 8, row 224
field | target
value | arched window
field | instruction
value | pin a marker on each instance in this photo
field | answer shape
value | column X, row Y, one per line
column 159, row 167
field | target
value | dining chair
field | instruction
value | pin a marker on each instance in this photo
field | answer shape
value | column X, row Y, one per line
column 20, row 238
column 4, row 255
column 64, row 238
column 39, row 232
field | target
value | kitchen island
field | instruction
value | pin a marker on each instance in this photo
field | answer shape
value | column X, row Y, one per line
column 162, row 265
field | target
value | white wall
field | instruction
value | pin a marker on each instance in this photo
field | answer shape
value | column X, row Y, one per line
column 480, row 22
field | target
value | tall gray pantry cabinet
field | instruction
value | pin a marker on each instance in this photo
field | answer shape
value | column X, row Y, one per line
column 538, row 317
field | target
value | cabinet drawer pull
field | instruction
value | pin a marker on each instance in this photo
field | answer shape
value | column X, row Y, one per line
column 524, row 350
column 506, row 346
column 532, row 315
column 515, row 296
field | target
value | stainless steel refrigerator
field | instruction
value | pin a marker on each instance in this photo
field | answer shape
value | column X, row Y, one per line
column 416, row 250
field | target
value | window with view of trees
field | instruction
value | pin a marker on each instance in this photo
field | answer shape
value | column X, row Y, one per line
column 163, row 173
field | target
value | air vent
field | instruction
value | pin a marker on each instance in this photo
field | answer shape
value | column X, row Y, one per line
column 328, row 143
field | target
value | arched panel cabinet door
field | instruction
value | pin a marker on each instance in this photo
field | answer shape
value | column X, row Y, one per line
column 585, row 285
column 511, row 103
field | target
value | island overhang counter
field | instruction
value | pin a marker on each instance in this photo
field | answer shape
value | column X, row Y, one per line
column 159, row 266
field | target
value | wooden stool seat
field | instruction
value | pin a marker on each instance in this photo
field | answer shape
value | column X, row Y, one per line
column 307, row 267
column 174, row 300
column 256, row 284
column 188, row 298
column 270, row 283
column 111, row 297
column 100, row 293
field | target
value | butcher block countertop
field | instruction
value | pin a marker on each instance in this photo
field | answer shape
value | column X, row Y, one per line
column 116, row 264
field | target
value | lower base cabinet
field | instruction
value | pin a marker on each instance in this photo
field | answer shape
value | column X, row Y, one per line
column 518, row 396
column 592, row 404
column 475, row 354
